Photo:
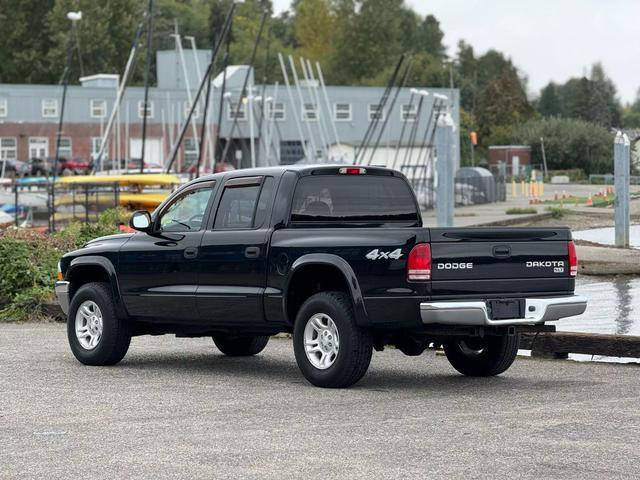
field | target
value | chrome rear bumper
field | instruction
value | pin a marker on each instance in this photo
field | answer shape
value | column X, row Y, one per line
column 537, row 310
column 62, row 293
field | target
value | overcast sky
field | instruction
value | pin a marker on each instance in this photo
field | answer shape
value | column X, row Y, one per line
column 546, row 39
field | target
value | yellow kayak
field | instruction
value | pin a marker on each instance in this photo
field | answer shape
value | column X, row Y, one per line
column 141, row 179
column 142, row 201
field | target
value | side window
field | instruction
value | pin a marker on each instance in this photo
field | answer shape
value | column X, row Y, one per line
column 186, row 213
column 237, row 207
column 265, row 200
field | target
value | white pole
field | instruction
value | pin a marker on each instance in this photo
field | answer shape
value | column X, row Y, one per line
column 251, row 134
column 270, row 121
column 192, row 40
column 116, row 104
column 321, row 116
column 315, row 100
column 126, row 132
column 285, row 75
column 299, row 90
column 326, row 99
column 194, row 129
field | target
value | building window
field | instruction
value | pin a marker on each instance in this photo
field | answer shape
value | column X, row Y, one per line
column 190, row 151
column 187, row 107
column 148, row 111
column 96, row 143
column 8, row 148
column 38, row 147
column 98, row 108
column 65, row 150
column 408, row 113
column 291, row 151
column 275, row 111
column 310, row 112
column 376, row 112
column 241, row 114
column 4, row 110
column 342, row 112
column 49, row 108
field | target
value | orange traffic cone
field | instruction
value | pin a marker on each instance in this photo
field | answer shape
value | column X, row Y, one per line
column 589, row 201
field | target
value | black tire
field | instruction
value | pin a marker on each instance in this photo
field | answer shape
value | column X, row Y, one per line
column 355, row 343
column 116, row 334
column 234, row 346
column 482, row 357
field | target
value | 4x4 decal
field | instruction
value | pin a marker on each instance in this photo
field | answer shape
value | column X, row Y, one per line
column 380, row 255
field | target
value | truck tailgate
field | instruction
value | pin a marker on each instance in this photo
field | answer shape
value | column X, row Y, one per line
column 500, row 260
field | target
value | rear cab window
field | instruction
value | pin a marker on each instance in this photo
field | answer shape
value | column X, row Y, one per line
column 362, row 200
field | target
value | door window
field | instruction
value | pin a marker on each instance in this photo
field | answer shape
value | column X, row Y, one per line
column 237, row 207
column 187, row 212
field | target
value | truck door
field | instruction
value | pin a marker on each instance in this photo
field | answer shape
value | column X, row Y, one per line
column 158, row 272
column 233, row 253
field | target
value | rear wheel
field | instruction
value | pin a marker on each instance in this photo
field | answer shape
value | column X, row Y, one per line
column 96, row 335
column 330, row 349
column 234, row 346
column 482, row 357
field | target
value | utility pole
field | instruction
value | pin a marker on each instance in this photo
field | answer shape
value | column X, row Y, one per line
column 147, row 71
column 622, row 172
column 544, row 160
column 74, row 17
column 444, row 167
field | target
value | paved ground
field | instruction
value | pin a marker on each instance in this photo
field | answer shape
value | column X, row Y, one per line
column 176, row 408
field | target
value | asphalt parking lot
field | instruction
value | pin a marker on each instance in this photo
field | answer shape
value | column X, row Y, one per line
column 177, row 408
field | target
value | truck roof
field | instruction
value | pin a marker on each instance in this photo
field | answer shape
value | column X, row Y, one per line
column 302, row 169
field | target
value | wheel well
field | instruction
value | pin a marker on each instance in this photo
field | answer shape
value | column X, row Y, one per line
column 309, row 280
column 85, row 274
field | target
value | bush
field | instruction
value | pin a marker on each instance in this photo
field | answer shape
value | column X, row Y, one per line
column 568, row 143
column 521, row 211
column 29, row 264
column 558, row 212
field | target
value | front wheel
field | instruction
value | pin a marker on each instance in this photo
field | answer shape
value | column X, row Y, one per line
column 234, row 346
column 482, row 357
column 330, row 349
column 96, row 335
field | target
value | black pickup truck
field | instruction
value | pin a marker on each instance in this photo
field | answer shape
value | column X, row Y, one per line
column 336, row 255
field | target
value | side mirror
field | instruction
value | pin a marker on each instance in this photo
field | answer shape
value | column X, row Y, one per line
column 141, row 221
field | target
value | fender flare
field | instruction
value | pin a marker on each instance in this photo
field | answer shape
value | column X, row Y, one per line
column 106, row 265
column 343, row 266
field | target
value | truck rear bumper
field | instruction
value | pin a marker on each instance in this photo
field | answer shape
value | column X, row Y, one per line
column 537, row 310
column 62, row 293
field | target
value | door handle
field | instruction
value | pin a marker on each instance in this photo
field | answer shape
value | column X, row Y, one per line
column 190, row 252
column 252, row 252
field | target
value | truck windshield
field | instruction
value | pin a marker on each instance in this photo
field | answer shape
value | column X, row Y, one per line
column 354, row 198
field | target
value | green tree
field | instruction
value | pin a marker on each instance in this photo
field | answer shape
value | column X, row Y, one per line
column 502, row 104
column 631, row 114
column 548, row 104
column 105, row 34
column 25, row 41
column 313, row 27
column 431, row 37
column 367, row 41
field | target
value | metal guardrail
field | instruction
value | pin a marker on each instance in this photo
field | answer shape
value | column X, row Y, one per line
column 608, row 179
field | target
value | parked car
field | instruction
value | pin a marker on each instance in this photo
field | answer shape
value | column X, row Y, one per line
column 14, row 168
column 75, row 166
column 336, row 255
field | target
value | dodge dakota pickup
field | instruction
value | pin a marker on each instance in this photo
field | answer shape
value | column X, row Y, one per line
column 335, row 255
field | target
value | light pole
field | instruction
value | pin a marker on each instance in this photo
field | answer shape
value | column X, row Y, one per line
column 73, row 17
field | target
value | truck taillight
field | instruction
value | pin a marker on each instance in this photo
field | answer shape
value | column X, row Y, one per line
column 353, row 171
column 573, row 259
column 419, row 263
